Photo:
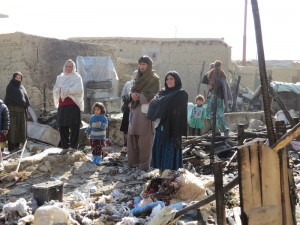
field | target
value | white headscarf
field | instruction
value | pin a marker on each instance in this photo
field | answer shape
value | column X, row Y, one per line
column 69, row 85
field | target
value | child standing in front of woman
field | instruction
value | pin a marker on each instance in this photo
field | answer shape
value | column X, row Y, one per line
column 198, row 116
column 96, row 131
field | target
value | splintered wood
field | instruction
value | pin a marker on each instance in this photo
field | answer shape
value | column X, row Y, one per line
column 264, row 188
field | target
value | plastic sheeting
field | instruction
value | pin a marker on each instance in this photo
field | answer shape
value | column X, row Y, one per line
column 286, row 87
column 97, row 69
column 164, row 217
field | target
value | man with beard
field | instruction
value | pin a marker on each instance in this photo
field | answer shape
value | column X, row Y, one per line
column 140, row 129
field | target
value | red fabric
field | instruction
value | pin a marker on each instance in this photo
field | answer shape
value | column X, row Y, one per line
column 2, row 138
column 97, row 145
column 67, row 101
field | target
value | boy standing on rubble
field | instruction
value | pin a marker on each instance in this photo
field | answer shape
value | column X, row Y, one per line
column 96, row 131
column 4, row 126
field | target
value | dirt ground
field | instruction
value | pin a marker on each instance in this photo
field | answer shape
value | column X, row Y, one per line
column 103, row 194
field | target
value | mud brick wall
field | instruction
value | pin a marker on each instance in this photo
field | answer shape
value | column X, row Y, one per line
column 40, row 60
column 186, row 56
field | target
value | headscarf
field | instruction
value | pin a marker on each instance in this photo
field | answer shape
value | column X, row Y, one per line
column 16, row 93
column 216, row 71
column 159, row 104
column 69, row 85
column 146, row 82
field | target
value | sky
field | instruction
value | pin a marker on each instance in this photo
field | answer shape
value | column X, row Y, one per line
column 62, row 19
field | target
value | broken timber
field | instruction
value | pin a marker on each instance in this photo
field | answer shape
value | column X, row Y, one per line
column 264, row 186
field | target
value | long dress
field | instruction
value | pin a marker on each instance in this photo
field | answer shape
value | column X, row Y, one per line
column 17, row 101
column 169, row 110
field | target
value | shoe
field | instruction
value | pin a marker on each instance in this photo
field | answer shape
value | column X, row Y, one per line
column 124, row 149
column 64, row 151
column 68, row 151
column 97, row 159
column 5, row 152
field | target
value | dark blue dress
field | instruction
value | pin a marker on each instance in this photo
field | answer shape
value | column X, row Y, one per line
column 164, row 154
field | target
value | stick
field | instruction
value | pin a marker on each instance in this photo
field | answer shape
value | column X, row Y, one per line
column 201, row 75
column 9, row 156
column 232, row 157
column 21, row 156
column 207, row 199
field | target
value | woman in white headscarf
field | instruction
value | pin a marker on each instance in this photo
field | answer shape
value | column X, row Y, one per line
column 68, row 98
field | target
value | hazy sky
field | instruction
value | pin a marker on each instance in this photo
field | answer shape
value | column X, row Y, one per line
column 280, row 21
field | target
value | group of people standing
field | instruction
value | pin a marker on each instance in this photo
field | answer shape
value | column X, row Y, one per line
column 218, row 88
column 157, row 119
column 154, row 119
column 68, row 96
column 155, row 126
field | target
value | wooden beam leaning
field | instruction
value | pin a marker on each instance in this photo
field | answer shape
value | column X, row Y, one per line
column 207, row 199
column 287, row 138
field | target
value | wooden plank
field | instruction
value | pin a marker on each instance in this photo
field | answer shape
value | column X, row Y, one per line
column 286, row 201
column 255, row 175
column 270, row 180
column 287, row 138
column 263, row 215
column 220, row 202
column 245, row 181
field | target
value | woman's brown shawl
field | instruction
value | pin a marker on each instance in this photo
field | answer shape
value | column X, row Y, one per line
column 147, row 84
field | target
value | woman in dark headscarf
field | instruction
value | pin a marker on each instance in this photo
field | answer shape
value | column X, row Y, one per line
column 169, row 110
column 17, row 101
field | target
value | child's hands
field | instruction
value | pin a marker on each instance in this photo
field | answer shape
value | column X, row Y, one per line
column 96, row 124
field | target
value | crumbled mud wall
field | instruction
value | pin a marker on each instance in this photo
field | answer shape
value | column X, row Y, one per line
column 251, row 79
column 185, row 55
column 40, row 60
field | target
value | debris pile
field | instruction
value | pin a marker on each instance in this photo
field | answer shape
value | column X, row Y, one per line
column 68, row 188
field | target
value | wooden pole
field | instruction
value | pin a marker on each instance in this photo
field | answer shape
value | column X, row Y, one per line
column 207, row 199
column 263, row 73
column 245, row 36
column 220, row 203
column 236, row 94
column 201, row 76
column 214, row 119
column 241, row 134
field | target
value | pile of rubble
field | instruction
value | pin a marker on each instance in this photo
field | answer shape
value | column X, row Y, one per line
column 47, row 187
